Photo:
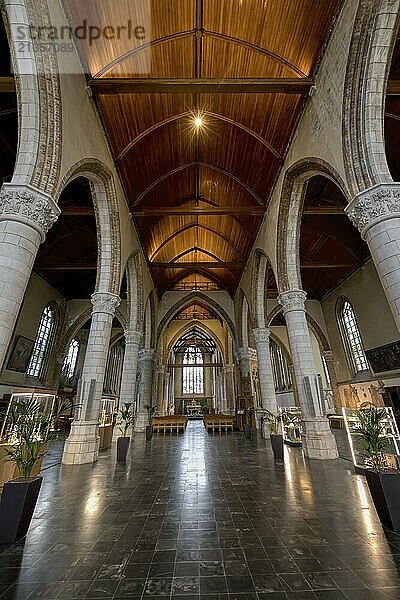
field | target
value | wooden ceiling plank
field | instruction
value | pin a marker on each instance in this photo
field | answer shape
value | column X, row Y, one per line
column 324, row 210
column 393, row 87
column 67, row 266
column 182, row 211
column 199, row 265
column 131, row 85
column 7, row 85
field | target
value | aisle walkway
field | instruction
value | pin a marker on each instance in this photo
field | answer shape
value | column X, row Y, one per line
column 204, row 516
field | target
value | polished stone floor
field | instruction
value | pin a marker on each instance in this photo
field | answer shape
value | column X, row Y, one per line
column 203, row 516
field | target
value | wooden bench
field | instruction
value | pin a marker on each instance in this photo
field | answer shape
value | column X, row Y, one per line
column 219, row 423
column 170, row 424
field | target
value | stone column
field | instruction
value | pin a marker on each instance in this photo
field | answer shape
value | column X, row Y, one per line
column 376, row 214
column 328, row 356
column 82, row 445
column 128, row 391
column 318, row 440
column 146, row 360
column 26, row 215
column 265, row 374
column 230, row 389
column 161, row 371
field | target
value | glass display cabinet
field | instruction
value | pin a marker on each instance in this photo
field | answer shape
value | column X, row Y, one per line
column 46, row 400
column 107, row 415
column 291, row 421
column 391, row 433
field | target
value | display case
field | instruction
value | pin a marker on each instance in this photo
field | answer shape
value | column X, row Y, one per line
column 291, row 422
column 106, row 421
column 46, row 400
column 391, row 455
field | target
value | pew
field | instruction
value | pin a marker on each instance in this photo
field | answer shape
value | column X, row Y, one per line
column 170, row 424
column 214, row 423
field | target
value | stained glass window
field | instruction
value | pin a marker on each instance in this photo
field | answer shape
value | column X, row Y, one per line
column 69, row 365
column 193, row 371
column 43, row 336
column 352, row 336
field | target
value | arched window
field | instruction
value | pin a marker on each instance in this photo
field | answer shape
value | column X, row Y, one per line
column 42, row 343
column 193, row 375
column 351, row 336
column 280, row 368
column 69, row 365
column 113, row 374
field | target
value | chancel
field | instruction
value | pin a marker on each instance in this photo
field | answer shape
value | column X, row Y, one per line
column 200, row 299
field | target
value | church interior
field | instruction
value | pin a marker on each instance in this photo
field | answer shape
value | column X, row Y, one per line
column 200, row 256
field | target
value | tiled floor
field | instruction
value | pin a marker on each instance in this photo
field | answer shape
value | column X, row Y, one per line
column 207, row 516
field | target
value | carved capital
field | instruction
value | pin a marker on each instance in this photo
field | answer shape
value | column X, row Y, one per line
column 25, row 204
column 147, row 354
column 261, row 335
column 133, row 336
column 105, row 302
column 379, row 203
column 292, row 300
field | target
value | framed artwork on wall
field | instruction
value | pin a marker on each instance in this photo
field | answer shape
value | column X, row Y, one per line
column 20, row 355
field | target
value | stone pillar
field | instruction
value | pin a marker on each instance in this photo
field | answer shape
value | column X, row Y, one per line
column 328, row 356
column 26, row 215
column 230, row 389
column 265, row 375
column 82, row 445
column 161, row 371
column 318, row 440
column 128, row 391
column 376, row 214
column 146, row 360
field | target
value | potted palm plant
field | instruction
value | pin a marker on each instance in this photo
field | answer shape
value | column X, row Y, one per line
column 31, row 433
column 150, row 416
column 125, row 420
column 275, row 428
column 383, row 481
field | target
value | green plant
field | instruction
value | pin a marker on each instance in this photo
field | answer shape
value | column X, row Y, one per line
column 371, row 429
column 31, row 429
column 126, row 418
column 274, row 421
column 150, row 413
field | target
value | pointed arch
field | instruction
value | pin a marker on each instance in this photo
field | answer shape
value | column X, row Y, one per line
column 187, row 301
column 106, row 210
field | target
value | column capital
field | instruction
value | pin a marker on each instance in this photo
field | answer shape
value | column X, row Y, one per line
column 28, row 205
column 105, row 302
column 292, row 300
column 147, row 354
column 374, row 205
column 229, row 368
column 261, row 335
column 133, row 336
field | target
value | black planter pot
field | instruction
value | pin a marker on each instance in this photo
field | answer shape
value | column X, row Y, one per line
column 247, row 431
column 122, row 448
column 149, row 432
column 18, row 502
column 277, row 446
column 385, row 492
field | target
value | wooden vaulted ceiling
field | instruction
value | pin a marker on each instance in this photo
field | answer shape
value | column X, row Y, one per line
column 198, row 196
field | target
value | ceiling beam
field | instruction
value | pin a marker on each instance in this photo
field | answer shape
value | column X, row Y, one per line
column 128, row 85
column 66, row 266
column 200, row 265
column 7, row 85
column 393, row 87
column 182, row 211
column 317, row 265
column 324, row 210
column 77, row 211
